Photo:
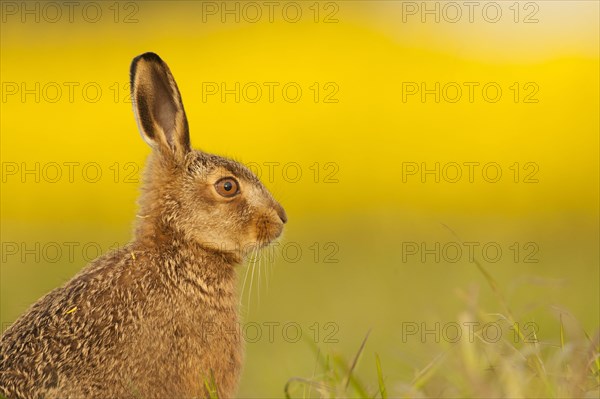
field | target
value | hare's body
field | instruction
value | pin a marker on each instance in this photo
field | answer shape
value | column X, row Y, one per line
column 159, row 317
column 137, row 322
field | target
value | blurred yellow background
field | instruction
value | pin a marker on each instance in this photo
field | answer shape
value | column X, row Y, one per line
column 378, row 106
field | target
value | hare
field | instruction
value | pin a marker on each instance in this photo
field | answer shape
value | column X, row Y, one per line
column 157, row 318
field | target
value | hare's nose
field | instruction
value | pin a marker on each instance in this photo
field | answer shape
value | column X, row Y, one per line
column 281, row 213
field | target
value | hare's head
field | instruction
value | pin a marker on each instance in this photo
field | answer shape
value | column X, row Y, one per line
column 213, row 201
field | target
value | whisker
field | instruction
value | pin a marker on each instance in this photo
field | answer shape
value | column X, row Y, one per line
column 271, row 265
column 267, row 274
column 268, row 264
column 252, row 278
column 245, row 279
column 258, row 289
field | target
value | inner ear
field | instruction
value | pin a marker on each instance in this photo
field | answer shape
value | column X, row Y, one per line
column 165, row 109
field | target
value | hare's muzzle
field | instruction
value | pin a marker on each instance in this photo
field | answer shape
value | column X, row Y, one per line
column 273, row 224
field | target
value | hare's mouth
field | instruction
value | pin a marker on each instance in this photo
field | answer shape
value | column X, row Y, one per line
column 267, row 230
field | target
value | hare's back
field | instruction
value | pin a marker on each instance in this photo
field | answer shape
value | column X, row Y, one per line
column 73, row 336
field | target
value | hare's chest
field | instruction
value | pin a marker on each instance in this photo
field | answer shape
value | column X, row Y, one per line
column 210, row 349
column 207, row 339
column 184, row 351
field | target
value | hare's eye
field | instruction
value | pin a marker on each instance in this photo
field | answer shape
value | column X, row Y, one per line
column 227, row 187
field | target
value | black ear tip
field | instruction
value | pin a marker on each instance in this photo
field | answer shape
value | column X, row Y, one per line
column 149, row 57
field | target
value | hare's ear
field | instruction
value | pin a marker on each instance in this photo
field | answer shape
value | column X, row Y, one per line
column 157, row 106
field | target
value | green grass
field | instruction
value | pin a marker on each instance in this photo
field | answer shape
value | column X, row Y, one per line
column 211, row 386
column 519, row 365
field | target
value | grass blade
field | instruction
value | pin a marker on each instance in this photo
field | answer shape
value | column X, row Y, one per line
column 382, row 389
column 349, row 377
column 211, row 386
column 426, row 373
column 562, row 333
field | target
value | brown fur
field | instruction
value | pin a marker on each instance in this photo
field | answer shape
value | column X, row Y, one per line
column 159, row 317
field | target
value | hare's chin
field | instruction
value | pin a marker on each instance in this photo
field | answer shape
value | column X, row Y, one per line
column 266, row 240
